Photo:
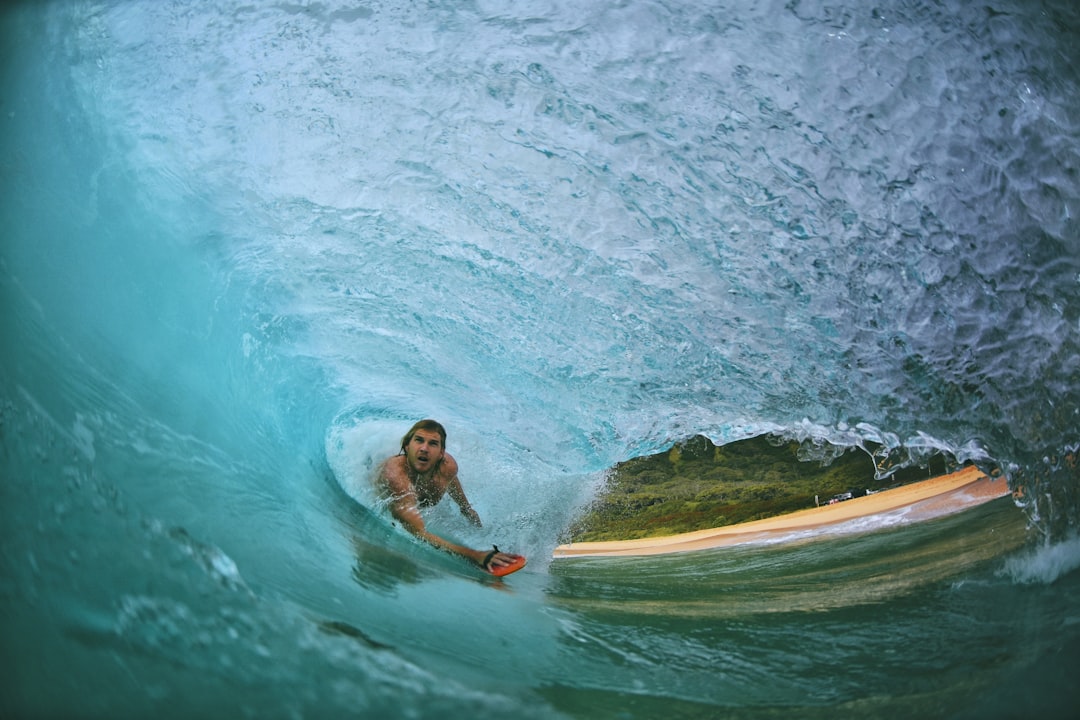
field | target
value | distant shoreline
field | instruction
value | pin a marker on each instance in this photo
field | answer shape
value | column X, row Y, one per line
column 921, row 500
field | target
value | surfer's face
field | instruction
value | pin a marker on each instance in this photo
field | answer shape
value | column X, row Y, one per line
column 424, row 450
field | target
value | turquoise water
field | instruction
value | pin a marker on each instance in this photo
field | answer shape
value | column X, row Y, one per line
column 246, row 245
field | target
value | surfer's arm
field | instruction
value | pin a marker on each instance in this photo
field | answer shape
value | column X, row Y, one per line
column 458, row 494
column 403, row 508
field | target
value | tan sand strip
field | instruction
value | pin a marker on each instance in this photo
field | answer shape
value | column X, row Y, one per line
column 921, row 500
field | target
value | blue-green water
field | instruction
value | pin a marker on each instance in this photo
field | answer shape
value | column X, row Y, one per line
column 246, row 245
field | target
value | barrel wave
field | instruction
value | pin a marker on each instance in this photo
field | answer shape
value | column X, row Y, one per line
column 247, row 245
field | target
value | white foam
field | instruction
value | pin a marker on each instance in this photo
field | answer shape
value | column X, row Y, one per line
column 354, row 449
column 1045, row 564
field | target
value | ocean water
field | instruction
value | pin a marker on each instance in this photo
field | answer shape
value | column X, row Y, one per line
column 246, row 245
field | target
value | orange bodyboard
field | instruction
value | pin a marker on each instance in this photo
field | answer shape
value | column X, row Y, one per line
column 502, row 570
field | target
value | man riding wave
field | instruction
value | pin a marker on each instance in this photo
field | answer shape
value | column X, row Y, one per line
column 418, row 477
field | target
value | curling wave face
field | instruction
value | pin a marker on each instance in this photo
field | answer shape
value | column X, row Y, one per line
column 671, row 242
column 244, row 243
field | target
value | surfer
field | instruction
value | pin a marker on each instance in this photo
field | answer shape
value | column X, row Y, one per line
column 418, row 477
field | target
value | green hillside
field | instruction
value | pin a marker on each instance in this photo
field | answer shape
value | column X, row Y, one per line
column 696, row 485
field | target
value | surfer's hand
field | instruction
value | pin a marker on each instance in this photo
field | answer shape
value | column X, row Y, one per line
column 499, row 563
column 473, row 517
column 494, row 559
column 500, row 559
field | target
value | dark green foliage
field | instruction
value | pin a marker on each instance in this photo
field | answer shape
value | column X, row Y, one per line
column 697, row 485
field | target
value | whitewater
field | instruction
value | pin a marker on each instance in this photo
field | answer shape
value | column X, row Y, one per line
column 246, row 245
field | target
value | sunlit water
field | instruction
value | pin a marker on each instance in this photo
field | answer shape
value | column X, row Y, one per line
column 246, row 245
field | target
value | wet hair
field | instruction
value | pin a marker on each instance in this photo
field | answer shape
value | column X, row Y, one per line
column 427, row 424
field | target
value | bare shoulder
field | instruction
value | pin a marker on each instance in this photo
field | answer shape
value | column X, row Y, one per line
column 392, row 475
column 449, row 467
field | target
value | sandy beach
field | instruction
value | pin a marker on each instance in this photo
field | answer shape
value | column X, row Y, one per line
column 918, row 501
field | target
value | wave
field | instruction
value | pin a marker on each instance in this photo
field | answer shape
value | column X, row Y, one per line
column 246, row 246
column 1045, row 563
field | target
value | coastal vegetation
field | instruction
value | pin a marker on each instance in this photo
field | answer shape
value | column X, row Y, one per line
column 696, row 485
